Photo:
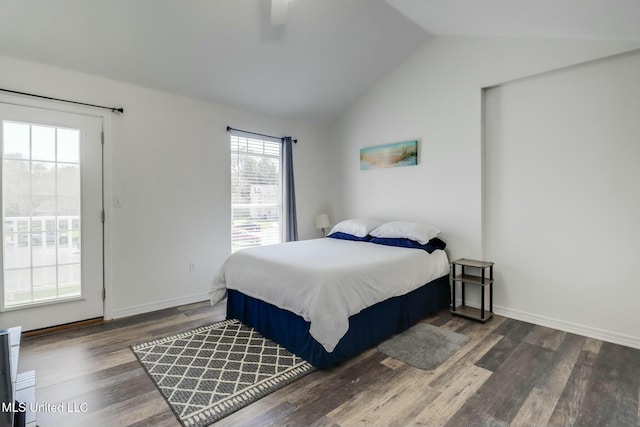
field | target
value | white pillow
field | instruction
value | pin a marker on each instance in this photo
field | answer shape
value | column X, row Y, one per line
column 417, row 231
column 358, row 227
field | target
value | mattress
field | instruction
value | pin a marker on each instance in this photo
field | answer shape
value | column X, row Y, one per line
column 325, row 281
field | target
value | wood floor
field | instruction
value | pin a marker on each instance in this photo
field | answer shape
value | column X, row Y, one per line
column 509, row 373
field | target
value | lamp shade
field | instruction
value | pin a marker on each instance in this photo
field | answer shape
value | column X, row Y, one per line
column 322, row 221
column 279, row 12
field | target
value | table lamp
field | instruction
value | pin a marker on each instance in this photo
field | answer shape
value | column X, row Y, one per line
column 322, row 222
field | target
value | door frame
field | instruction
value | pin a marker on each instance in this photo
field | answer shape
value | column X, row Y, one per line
column 107, row 190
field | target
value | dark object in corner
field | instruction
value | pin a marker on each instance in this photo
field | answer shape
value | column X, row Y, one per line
column 6, row 382
column 19, row 417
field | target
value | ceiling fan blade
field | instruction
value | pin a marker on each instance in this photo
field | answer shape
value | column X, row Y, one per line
column 279, row 12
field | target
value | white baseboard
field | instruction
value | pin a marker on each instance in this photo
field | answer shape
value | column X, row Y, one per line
column 157, row 305
column 574, row 328
column 563, row 325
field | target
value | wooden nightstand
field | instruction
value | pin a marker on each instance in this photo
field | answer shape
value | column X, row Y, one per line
column 479, row 279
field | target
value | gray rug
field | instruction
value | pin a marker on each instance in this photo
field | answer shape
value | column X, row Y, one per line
column 207, row 373
column 423, row 346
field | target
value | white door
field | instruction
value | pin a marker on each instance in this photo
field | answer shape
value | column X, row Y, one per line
column 52, row 270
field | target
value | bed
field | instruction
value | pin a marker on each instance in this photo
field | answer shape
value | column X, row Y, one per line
column 329, row 299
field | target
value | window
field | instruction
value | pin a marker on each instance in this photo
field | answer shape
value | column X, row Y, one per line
column 256, row 192
column 40, row 189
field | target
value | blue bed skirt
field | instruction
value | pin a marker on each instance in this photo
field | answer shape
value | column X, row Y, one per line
column 366, row 329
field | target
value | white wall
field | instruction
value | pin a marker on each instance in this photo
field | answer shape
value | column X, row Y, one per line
column 169, row 164
column 562, row 207
column 436, row 96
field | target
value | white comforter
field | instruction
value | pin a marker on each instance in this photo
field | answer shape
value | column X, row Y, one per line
column 327, row 280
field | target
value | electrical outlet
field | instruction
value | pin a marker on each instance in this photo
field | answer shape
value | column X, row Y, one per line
column 192, row 267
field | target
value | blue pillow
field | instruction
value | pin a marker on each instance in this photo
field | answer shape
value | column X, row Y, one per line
column 430, row 246
column 347, row 236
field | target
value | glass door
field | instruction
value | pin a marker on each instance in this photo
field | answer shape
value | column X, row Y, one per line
column 51, row 209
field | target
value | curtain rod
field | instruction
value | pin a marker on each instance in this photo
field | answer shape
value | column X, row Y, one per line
column 113, row 109
column 229, row 129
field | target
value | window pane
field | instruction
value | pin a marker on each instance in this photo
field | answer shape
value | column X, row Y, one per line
column 43, row 249
column 43, row 206
column 69, row 280
column 16, row 207
column 44, row 283
column 43, row 179
column 15, row 140
column 256, row 193
column 43, row 143
column 15, row 183
column 69, row 206
column 69, row 145
column 24, row 239
column 36, row 239
column 69, row 247
column 68, row 180
column 36, row 226
column 17, row 287
column 16, row 255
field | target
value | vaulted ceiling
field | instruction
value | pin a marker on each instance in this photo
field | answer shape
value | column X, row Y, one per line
column 313, row 67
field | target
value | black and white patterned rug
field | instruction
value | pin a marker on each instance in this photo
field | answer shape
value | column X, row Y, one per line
column 207, row 373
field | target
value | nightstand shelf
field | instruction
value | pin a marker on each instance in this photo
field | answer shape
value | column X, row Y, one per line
column 474, row 280
column 482, row 279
